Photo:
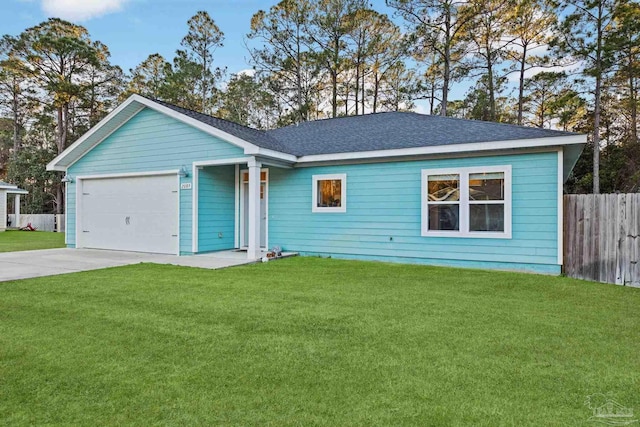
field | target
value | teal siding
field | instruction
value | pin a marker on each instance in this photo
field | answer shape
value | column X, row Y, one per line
column 383, row 218
column 216, row 208
column 151, row 141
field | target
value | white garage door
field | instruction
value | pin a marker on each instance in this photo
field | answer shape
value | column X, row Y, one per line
column 137, row 214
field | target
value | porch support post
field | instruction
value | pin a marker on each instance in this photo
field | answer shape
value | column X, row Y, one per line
column 17, row 210
column 253, row 251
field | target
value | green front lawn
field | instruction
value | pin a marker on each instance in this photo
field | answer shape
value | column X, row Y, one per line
column 309, row 341
column 14, row 241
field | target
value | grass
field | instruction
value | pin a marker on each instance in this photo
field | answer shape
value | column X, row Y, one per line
column 14, row 241
column 310, row 341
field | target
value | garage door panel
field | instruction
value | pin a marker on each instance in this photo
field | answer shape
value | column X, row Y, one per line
column 133, row 214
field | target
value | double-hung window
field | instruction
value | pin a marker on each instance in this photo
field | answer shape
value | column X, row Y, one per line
column 467, row 202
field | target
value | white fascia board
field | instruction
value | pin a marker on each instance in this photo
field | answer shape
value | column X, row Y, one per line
column 55, row 164
column 16, row 191
column 448, row 149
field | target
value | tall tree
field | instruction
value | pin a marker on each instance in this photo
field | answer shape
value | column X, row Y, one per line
column 248, row 102
column 150, row 76
column 285, row 54
column 57, row 53
column 385, row 50
column 439, row 26
column 398, row 88
column 432, row 82
column 105, row 83
column 487, row 35
column 200, row 43
column 626, row 37
column 528, row 25
column 16, row 89
column 569, row 109
column 476, row 104
column 329, row 26
column 362, row 22
column 181, row 84
column 584, row 33
column 543, row 92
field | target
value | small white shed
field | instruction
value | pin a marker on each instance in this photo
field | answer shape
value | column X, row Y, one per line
column 6, row 190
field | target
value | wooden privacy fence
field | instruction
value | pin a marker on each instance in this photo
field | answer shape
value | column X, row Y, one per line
column 601, row 237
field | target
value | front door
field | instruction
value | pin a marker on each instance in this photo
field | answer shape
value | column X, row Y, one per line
column 244, row 235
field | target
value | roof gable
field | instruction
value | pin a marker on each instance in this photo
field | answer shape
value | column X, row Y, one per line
column 152, row 141
column 136, row 103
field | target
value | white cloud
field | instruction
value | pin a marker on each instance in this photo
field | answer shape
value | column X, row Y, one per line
column 247, row 72
column 81, row 10
column 569, row 69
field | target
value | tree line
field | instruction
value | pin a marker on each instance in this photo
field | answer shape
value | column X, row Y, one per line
column 571, row 65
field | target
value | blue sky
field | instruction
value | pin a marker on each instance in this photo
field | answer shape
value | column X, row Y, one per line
column 133, row 29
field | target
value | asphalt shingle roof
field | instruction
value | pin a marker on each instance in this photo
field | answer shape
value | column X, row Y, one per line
column 254, row 136
column 394, row 130
column 380, row 131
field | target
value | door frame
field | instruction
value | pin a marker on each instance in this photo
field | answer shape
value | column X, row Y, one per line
column 79, row 181
column 241, row 230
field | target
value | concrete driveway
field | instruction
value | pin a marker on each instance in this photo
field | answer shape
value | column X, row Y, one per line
column 50, row 262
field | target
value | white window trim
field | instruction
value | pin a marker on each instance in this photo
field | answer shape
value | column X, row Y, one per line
column 464, row 203
column 343, row 193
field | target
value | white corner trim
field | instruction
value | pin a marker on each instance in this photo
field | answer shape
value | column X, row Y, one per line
column 463, row 220
column 66, row 213
column 179, row 214
column 236, row 198
column 195, row 218
column 448, row 149
column 560, row 206
column 343, row 193
column 78, row 223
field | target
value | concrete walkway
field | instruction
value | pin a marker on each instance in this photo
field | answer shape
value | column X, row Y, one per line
column 29, row 264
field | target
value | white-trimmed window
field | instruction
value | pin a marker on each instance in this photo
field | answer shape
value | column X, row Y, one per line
column 467, row 202
column 329, row 193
